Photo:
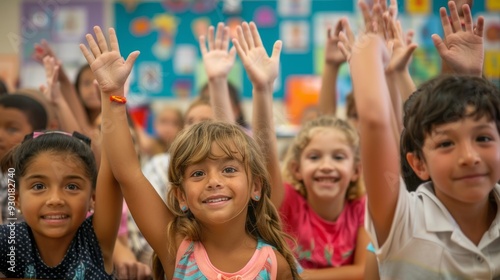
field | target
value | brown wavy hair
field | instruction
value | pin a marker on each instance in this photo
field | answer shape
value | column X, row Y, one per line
column 194, row 145
column 356, row 189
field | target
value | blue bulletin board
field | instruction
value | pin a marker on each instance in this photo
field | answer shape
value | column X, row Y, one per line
column 170, row 64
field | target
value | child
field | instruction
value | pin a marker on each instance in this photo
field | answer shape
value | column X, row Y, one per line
column 21, row 115
column 54, row 175
column 327, row 216
column 219, row 199
column 448, row 228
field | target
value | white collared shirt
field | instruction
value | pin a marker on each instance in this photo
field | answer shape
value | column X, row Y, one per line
column 425, row 242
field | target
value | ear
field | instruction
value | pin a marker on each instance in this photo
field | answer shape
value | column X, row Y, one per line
column 256, row 190
column 92, row 202
column 357, row 172
column 418, row 165
column 17, row 200
column 295, row 170
column 181, row 197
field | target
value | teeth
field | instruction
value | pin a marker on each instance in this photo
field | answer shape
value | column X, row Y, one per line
column 55, row 217
column 217, row 200
column 333, row 180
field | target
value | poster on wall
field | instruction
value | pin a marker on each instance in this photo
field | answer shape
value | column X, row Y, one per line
column 64, row 27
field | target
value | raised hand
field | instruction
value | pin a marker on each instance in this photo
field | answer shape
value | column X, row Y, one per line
column 217, row 60
column 261, row 69
column 109, row 67
column 462, row 49
column 333, row 55
column 51, row 91
column 43, row 50
column 402, row 48
column 346, row 40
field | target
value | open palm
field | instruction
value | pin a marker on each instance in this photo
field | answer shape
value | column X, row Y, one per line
column 109, row 67
column 262, row 70
column 217, row 59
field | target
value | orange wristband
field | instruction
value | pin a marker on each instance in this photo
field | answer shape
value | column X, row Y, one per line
column 118, row 99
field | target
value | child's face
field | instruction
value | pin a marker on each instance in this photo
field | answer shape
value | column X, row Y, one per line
column 216, row 189
column 327, row 165
column 14, row 126
column 198, row 114
column 167, row 125
column 462, row 158
column 88, row 91
column 54, row 196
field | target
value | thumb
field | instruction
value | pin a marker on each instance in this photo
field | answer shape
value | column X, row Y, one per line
column 131, row 58
column 232, row 53
column 439, row 44
column 277, row 49
column 42, row 88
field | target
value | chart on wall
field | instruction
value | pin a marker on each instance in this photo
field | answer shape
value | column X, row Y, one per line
column 63, row 24
column 170, row 64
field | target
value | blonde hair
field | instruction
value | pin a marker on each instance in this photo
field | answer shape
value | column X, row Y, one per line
column 309, row 129
column 194, row 145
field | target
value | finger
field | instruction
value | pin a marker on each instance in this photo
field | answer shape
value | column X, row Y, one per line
column 43, row 89
column 88, row 56
column 366, row 14
column 467, row 18
column 445, row 22
column 379, row 19
column 248, row 35
column 131, row 59
column 277, row 50
column 101, row 40
column 94, row 48
column 479, row 29
column 239, row 49
column 439, row 44
column 393, row 8
column 241, row 40
column 348, row 32
column 455, row 19
column 122, row 271
column 225, row 38
column 344, row 51
column 210, row 35
column 55, row 74
column 409, row 52
column 389, row 23
column 383, row 5
column 409, row 37
column 113, row 40
column 203, row 45
column 232, row 53
column 338, row 27
column 255, row 35
column 218, row 36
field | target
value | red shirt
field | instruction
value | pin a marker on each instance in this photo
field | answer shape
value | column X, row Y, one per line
column 321, row 243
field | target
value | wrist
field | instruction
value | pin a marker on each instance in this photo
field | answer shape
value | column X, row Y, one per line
column 264, row 88
column 333, row 64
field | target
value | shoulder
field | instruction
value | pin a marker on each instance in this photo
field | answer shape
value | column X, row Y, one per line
column 284, row 270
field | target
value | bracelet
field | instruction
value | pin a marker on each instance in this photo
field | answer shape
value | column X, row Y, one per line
column 118, row 99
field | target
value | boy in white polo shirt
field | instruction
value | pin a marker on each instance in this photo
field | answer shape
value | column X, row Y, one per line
column 450, row 227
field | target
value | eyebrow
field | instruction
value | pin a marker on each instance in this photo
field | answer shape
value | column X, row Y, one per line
column 445, row 131
column 41, row 176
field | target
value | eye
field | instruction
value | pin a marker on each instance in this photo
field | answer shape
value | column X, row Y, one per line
column 339, row 157
column 230, row 170
column 12, row 129
column 197, row 174
column 444, row 144
column 72, row 187
column 484, row 139
column 313, row 157
column 37, row 187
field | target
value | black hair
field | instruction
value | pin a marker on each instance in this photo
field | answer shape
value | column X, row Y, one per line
column 3, row 88
column 77, row 146
column 31, row 108
column 439, row 101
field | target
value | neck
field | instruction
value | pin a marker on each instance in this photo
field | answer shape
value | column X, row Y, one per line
column 327, row 210
column 475, row 220
column 52, row 250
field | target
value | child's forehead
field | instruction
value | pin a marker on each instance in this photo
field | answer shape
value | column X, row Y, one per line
column 474, row 121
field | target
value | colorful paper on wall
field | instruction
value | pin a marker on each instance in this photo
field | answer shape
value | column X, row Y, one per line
column 492, row 64
column 418, row 6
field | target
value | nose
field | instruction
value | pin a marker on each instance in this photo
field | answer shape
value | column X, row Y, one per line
column 214, row 180
column 55, row 197
column 468, row 154
column 326, row 164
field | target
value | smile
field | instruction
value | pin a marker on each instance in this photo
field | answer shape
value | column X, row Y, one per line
column 215, row 200
column 55, row 217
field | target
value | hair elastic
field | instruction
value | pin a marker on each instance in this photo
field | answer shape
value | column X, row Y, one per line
column 118, row 99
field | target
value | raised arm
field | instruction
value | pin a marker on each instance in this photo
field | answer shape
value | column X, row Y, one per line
column 68, row 91
column 111, row 72
column 218, row 62
column 107, row 212
column 262, row 71
column 52, row 93
column 333, row 61
column 378, row 143
column 462, row 50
